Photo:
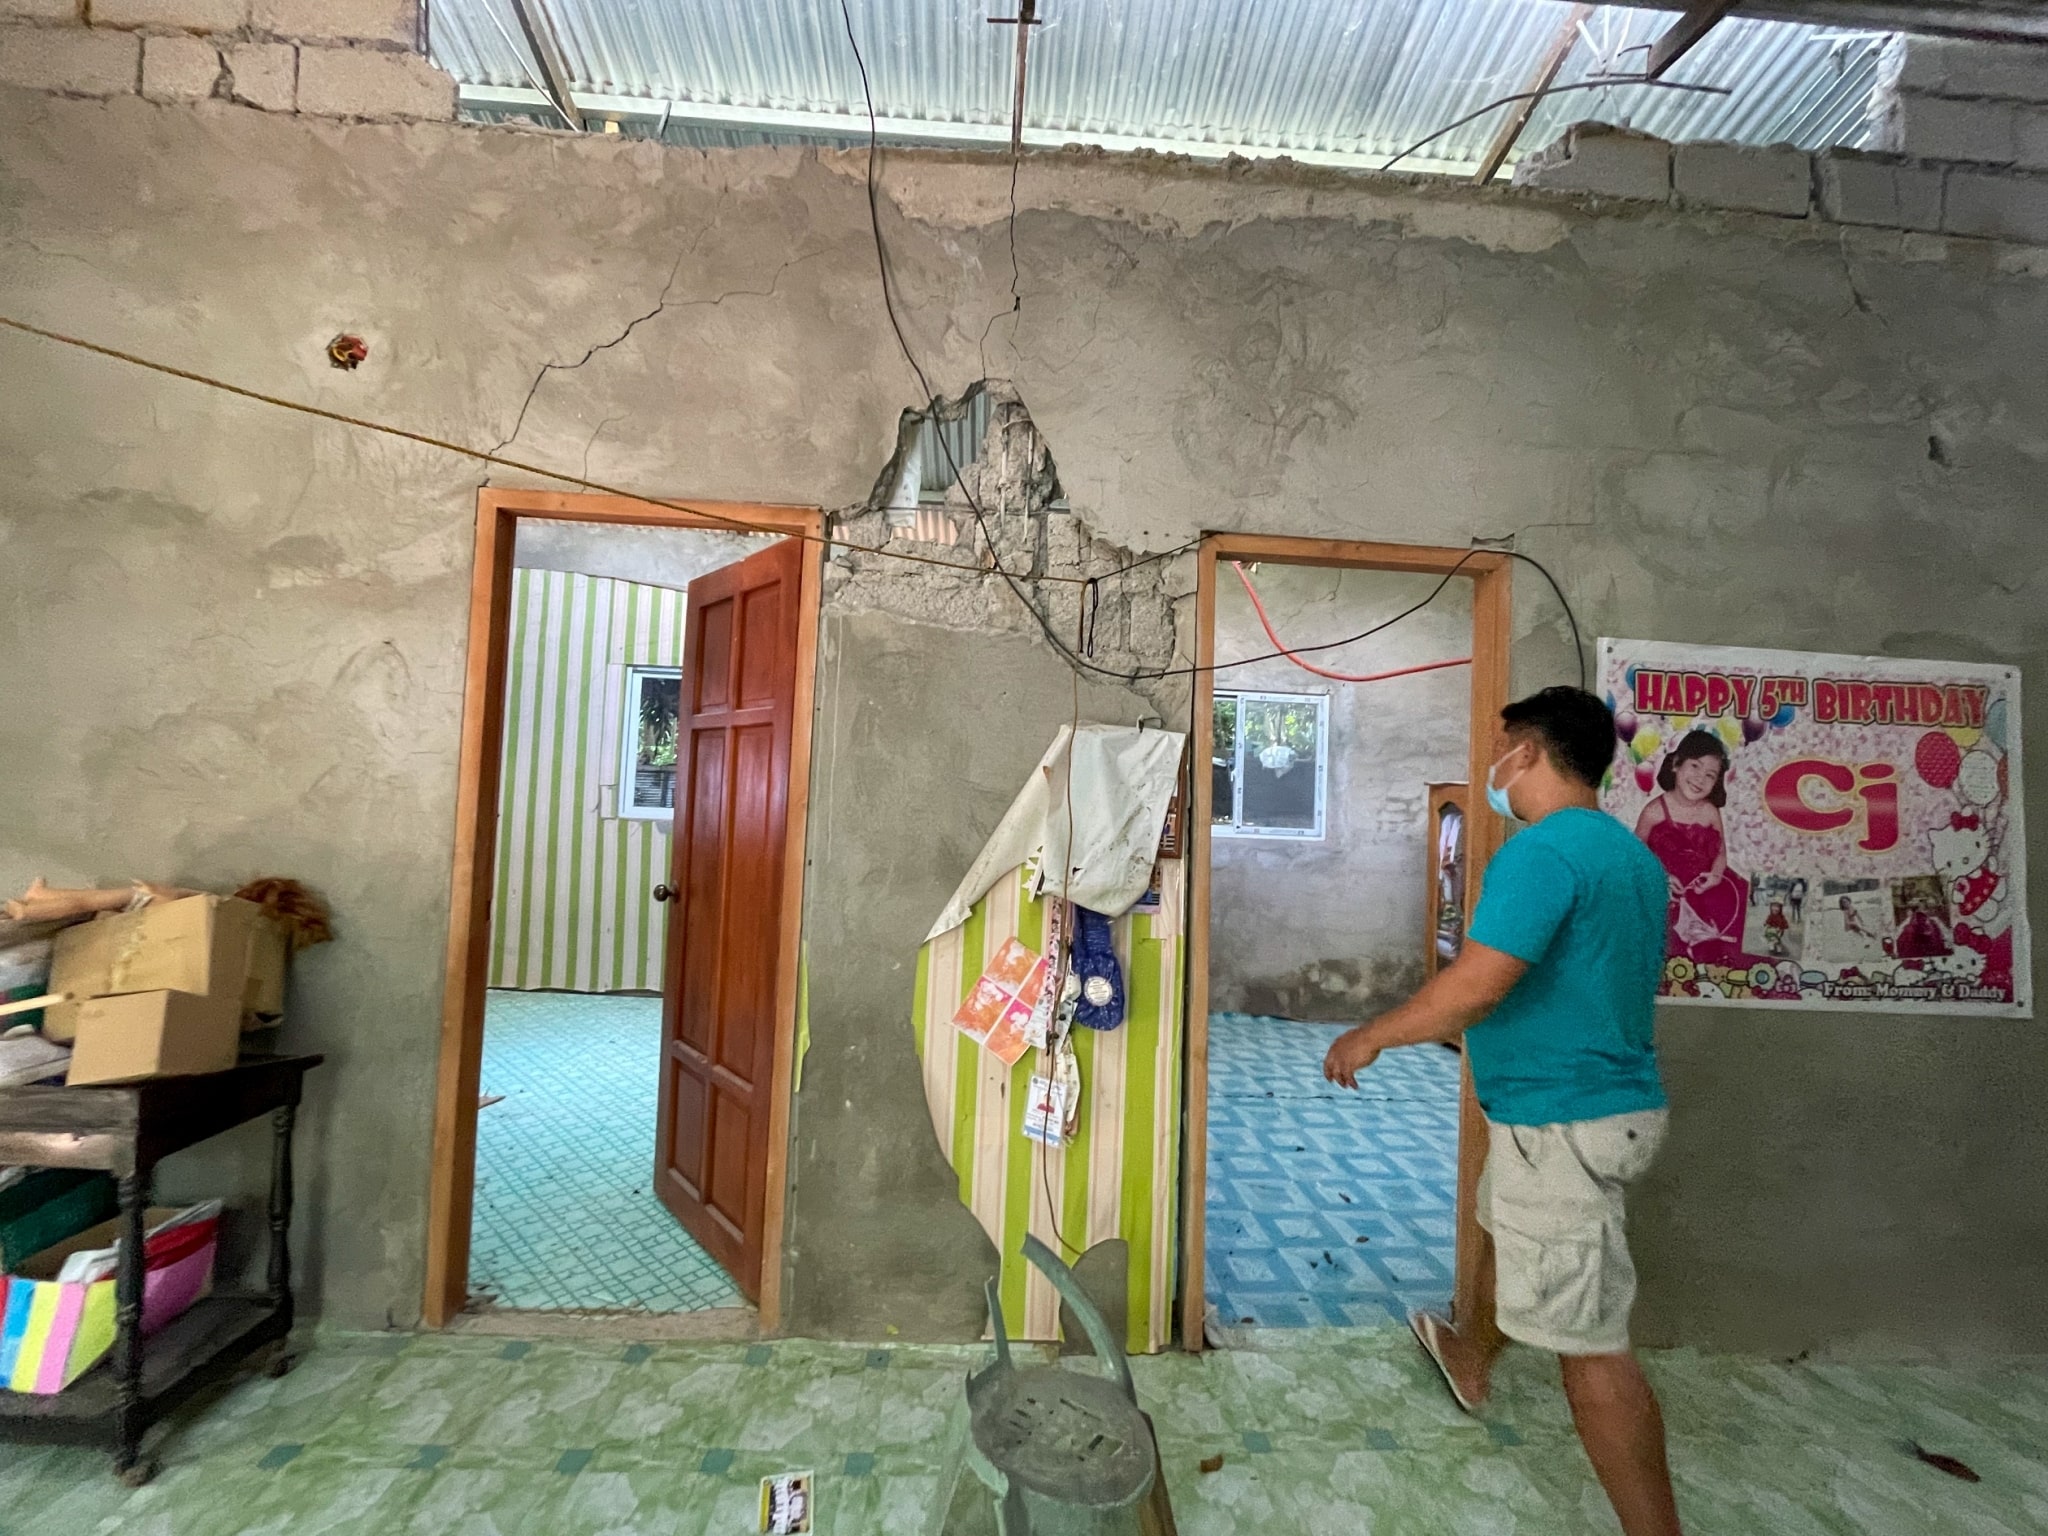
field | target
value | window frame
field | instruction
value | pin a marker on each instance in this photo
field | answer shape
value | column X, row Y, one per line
column 1236, row 827
column 629, row 746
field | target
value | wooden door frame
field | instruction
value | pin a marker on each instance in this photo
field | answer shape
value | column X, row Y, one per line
column 452, row 1190
column 1492, row 621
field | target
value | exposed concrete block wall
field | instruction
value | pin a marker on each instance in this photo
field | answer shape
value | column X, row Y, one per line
column 71, row 60
column 328, row 58
column 372, row 83
column 181, row 15
column 1723, row 429
column 1600, row 158
column 1855, row 188
column 1960, row 147
column 395, row 23
column 1979, row 103
column 1772, row 178
column 179, row 68
column 42, row 10
column 263, row 75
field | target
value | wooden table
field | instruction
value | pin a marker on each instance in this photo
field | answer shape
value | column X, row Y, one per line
column 127, row 1129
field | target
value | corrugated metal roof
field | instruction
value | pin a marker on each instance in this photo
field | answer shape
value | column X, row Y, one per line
column 1354, row 81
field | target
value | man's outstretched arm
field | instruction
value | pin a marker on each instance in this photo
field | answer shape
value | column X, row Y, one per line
column 1450, row 1002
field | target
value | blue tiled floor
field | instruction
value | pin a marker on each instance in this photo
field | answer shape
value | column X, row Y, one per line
column 565, row 1216
column 1326, row 1206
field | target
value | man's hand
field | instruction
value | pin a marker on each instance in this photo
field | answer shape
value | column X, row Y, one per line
column 1461, row 994
column 1349, row 1055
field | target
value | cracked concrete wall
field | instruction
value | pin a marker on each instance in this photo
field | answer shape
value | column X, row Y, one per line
column 233, row 637
column 1333, row 929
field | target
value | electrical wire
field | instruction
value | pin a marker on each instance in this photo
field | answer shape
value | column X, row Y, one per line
column 1075, row 661
column 427, row 440
column 1066, row 653
column 1599, row 83
column 1056, row 977
column 583, row 482
column 1571, row 618
column 1340, row 677
column 1060, row 648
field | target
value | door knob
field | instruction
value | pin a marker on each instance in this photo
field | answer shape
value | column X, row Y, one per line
column 665, row 893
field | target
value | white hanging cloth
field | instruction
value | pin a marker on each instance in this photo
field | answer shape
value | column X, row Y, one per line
column 1123, row 779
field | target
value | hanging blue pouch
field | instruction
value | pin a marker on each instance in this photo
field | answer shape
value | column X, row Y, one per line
column 1102, row 979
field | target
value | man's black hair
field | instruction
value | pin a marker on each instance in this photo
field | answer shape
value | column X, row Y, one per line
column 1575, row 727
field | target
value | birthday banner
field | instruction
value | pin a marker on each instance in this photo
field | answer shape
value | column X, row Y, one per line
column 1838, row 831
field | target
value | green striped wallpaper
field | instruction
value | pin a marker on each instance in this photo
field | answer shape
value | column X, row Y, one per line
column 573, row 908
column 1120, row 1176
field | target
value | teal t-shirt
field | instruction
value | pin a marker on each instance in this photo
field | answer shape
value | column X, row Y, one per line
column 1582, row 902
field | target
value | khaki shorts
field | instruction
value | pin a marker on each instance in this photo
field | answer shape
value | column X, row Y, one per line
column 1551, row 1196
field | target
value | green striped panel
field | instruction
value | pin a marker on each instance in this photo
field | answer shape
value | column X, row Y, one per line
column 573, row 905
column 1140, row 1120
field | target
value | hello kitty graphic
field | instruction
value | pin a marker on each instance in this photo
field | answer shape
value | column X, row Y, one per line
column 1963, row 853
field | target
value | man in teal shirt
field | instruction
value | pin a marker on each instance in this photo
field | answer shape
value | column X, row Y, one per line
column 1555, row 994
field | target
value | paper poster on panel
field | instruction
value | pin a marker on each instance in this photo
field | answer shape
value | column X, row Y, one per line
column 1838, row 831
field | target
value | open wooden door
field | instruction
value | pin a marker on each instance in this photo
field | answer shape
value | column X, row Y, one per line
column 725, row 903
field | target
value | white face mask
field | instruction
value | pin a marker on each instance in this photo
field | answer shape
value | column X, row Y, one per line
column 1497, row 794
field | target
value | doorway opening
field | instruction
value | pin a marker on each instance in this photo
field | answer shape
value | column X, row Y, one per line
column 621, row 999
column 1334, row 857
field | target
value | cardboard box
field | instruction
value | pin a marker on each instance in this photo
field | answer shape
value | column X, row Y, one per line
column 154, row 1034
column 269, row 956
column 215, row 946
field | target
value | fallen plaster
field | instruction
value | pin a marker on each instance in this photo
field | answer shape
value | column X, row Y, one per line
column 1003, row 503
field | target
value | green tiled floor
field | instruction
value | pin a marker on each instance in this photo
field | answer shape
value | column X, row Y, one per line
column 566, row 1216
column 1325, row 1433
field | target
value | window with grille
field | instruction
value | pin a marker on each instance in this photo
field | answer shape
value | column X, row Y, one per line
column 1269, row 764
column 647, row 756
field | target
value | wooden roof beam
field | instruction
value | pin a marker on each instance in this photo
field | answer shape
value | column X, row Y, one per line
column 541, row 42
column 1699, row 19
column 1546, row 74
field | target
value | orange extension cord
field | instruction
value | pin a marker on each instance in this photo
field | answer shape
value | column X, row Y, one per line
column 1309, row 666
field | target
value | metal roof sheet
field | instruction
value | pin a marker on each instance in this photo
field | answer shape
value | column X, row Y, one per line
column 1345, row 81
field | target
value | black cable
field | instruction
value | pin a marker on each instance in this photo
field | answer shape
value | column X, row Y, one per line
column 1052, row 638
column 1075, row 661
column 1578, row 644
column 1599, row 82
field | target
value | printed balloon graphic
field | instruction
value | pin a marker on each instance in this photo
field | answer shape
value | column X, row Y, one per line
column 1965, row 736
column 1729, row 732
column 1785, row 716
column 1977, row 780
column 1646, row 777
column 1938, row 759
column 1645, row 744
column 1995, row 724
column 1626, row 724
column 1753, row 728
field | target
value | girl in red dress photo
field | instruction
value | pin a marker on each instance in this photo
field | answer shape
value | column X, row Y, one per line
column 1682, row 827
